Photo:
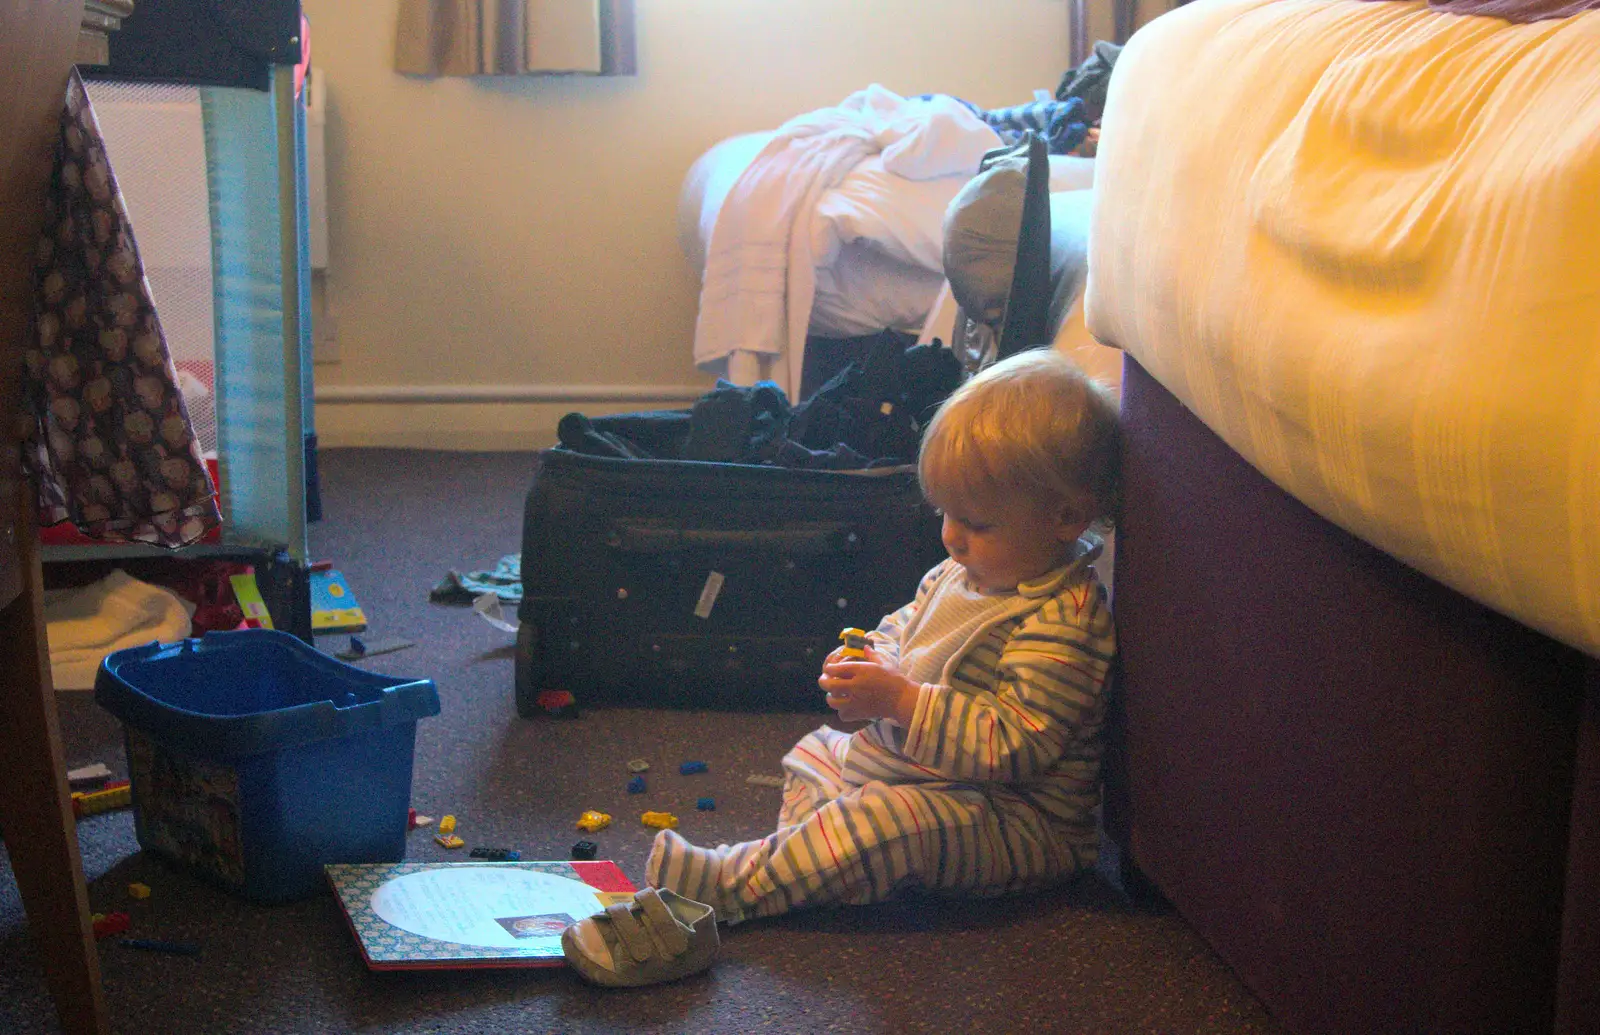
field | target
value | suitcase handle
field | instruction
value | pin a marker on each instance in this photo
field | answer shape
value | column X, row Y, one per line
column 820, row 537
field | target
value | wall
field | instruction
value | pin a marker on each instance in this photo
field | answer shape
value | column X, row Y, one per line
column 521, row 233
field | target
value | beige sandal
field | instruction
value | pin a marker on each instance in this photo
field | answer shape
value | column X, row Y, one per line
column 659, row 936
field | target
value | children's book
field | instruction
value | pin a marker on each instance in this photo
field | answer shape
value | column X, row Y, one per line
column 333, row 605
column 445, row 916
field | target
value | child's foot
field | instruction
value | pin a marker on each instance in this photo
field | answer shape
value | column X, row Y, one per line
column 692, row 872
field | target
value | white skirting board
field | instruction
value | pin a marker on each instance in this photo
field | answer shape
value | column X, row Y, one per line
column 476, row 417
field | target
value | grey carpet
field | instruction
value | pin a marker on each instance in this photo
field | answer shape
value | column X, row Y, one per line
column 1075, row 959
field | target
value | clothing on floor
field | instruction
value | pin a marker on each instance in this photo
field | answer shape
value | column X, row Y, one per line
column 504, row 581
column 86, row 623
column 991, row 789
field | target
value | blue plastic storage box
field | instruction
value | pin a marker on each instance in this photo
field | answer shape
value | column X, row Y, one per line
column 255, row 758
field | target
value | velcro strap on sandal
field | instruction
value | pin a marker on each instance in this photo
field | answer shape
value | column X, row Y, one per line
column 660, row 921
column 632, row 935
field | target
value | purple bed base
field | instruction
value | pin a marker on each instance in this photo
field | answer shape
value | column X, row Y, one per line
column 1359, row 786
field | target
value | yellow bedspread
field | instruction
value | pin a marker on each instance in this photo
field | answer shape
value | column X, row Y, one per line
column 1361, row 241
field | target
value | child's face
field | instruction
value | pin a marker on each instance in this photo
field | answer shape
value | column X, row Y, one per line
column 1003, row 544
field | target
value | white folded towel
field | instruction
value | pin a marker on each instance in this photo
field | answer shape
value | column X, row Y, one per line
column 89, row 622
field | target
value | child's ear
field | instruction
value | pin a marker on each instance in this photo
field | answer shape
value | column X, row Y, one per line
column 1070, row 527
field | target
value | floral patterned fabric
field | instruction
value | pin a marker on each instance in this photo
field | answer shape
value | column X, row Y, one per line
column 111, row 444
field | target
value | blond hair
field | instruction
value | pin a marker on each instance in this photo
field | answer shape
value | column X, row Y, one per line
column 1033, row 425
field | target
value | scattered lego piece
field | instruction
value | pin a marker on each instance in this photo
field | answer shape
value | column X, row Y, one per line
column 585, row 850
column 115, row 795
column 763, row 780
column 497, row 854
column 448, row 841
column 706, row 804
column 90, row 774
column 659, row 820
column 638, row 765
column 636, row 785
column 139, row 891
column 447, row 825
column 152, row 945
column 112, row 923
column 248, row 595
column 558, row 704
column 593, row 820
column 692, row 767
column 855, row 644
column 358, row 647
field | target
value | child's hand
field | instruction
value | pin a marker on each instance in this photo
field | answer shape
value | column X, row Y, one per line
column 868, row 689
column 837, row 654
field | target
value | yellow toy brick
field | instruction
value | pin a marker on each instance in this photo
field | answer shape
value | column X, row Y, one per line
column 855, row 643
column 448, row 841
column 593, row 820
column 139, row 891
column 659, row 820
column 116, row 795
column 447, row 825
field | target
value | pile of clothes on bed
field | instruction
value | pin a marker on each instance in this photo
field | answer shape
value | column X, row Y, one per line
column 832, row 225
column 1069, row 122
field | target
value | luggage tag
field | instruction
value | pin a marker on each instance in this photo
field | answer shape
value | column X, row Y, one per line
column 708, row 595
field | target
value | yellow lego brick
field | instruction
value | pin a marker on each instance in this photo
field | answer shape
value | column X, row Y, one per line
column 659, row 820
column 593, row 820
column 115, row 796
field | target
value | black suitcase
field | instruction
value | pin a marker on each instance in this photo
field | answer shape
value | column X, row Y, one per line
column 670, row 583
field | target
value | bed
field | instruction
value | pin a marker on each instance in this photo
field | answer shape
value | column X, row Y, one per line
column 1358, row 575
column 867, row 237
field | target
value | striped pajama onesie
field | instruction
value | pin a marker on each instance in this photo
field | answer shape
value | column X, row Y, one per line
column 991, row 789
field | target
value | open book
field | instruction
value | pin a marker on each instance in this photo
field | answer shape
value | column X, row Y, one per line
column 418, row 915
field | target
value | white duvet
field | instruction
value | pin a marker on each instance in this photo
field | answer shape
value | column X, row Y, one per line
column 831, row 225
column 1361, row 241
